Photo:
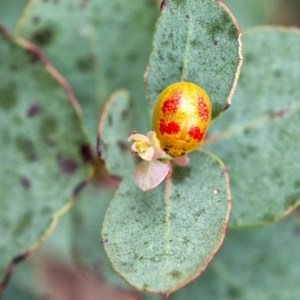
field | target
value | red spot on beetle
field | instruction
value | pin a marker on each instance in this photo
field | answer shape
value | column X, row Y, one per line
column 196, row 133
column 171, row 105
column 169, row 128
column 203, row 110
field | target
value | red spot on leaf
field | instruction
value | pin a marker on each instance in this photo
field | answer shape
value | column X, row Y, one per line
column 169, row 128
column 203, row 110
column 196, row 134
column 171, row 105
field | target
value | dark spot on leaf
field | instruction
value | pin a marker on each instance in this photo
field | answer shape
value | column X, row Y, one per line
column 42, row 37
column 226, row 107
column 78, row 188
column 180, row 69
column 162, row 4
column 199, row 213
column 216, row 42
column 67, row 166
column 13, row 67
column 104, row 241
column 277, row 172
column 26, row 147
column 110, row 120
column 84, row 64
column 9, row 97
column 297, row 184
column 187, row 16
column 277, row 73
column 234, row 292
column 86, row 153
column 175, row 274
column 214, row 28
column 248, row 58
column 171, row 58
column 261, row 259
column 49, row 142
column 83, row 4
column 125, row 114
column 48, row 126
column 22, row 224
column 36, row 19
column 33, row 110
column 132, row 56
column 25, row 182
column 296, row 231
column 251, row 148
column 123, row 146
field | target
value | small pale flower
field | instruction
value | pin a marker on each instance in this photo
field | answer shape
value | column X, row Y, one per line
column 146, row 147
column 151, row 172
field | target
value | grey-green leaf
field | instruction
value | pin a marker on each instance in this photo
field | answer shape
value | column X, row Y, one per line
column 87, row 216
column 160, row 240
column 98, row 45
column 41, row 140
column 262, row 264
column 195, row 41
column 10, row 12
column 258, row 137
column 116, row 124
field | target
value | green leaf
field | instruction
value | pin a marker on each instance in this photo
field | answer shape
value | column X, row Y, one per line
column 258, row 137
column 87, row 216
column 195, row 41
column 41, row 138
column 262, row 264
column 115, row 127
column 98, row 45
column 160, row 240
column 10, row 12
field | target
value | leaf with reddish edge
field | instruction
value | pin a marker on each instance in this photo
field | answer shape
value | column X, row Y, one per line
column 149, row 174
column 98, row 45
column 199, row 42
column 42, row 164
column 115, row 126
column 160, row 240
column 258, row 137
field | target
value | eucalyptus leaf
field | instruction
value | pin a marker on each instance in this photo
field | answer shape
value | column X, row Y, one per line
column 98, row 45
column 195, row 41
column 41, row 144
column 10, row 12
column 262, row 264
column 258, row 137
column 115, row 127
column 87, row 216
column 160, row 240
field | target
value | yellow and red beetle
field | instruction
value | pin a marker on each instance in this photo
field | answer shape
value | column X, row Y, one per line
column 181, row 116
